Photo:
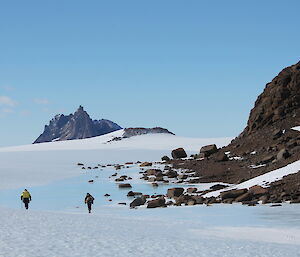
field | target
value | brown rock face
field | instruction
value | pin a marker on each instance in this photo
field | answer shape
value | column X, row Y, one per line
column 279, row 104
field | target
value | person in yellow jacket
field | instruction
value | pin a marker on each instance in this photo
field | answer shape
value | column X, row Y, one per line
column 26, row 198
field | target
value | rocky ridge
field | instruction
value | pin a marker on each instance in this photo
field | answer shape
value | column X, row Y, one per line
column 267, row 143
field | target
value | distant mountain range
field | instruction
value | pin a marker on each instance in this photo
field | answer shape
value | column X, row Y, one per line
column 79, row 125
column 75, row 126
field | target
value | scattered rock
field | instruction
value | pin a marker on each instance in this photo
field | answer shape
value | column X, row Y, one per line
column 217, row 187
column 125, row 186
column 153, row 172
column 234, row 193
column 258, row 191
column 191, row 190
column 138, row 202
column 165, row 158
column 267, row 159
column 172, row 174
column 179, row 153
column 244, row 197
column 208, row 150
column 131, row 193
column 145, row 164
column 160, row 202
column 175, row 192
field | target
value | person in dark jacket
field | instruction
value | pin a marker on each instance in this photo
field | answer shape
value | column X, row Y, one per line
column 26, row 198
column 89, row 200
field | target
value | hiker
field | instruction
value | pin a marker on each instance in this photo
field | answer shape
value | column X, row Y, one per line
column 89, row 200
column 26, row 198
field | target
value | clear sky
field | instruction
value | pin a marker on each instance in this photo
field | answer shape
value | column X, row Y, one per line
column 194, row 67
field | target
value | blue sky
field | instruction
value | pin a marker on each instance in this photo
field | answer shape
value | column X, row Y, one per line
column 194, row 67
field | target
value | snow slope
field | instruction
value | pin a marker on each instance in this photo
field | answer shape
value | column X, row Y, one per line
column 38, row 164
column 145, row 142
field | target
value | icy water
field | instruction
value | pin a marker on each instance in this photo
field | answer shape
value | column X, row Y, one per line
column 68, row 196
column 69, row 193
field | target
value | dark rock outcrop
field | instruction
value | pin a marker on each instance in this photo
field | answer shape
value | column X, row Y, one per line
column 75, row 126
column 208, row 150
column 130, row 132
column 279, row 104
column 179, row 153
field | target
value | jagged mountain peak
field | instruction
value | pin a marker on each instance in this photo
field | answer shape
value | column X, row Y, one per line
column 75, row 126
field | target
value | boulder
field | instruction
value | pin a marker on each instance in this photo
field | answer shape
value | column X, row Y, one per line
column 80, row 164
column 175, row 192
column 160, row 202
column 179, row 153
column 267, row 159
column 208, row 150
column 228, row 200
column 165, row 158
column 283, row 154
column 234, row 193
column 172, row 174
column 125, row 186
column 145, row 164
column 153, row 172
column 138, row 202
column 191, row 190
column 258, row 191
column 244, row 197
column 217, row 187
column 131, row 193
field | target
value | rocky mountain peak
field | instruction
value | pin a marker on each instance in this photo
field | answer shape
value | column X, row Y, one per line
column 75, row 126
